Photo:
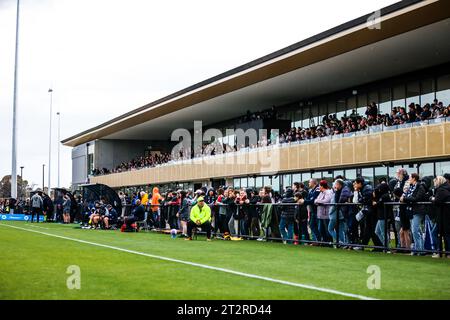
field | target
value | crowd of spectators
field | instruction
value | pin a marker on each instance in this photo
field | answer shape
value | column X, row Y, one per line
column 354, row 122
column 307, row 214
column 302, row 214
column 149, row 161
column 330, row 126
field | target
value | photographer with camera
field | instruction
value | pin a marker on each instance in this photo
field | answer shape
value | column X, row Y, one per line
column 366, row 217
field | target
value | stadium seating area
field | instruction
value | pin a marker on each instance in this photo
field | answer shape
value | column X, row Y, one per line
column 331, row 126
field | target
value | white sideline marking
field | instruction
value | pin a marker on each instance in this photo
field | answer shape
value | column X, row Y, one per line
column 30, row 225
column 248, row 275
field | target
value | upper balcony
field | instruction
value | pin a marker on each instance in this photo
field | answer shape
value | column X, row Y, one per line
column 415, row 141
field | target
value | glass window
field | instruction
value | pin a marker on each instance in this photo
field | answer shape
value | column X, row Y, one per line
column 243, row 182
column 393, row 170
column 90, row 163
column 413, row 93
column 341, row 108
column 323, row 111
column 317, row 175
column 373, row 97
column 443, row 89
column 259, row 182
column 331, row 106
column 328, row 175
column 426, row 169
column 306, row 116
column 267, row 181
column 399, row 96
column 298, row 118
column 411, row 168
column 287, row 182
column 380, row 172
column 338, row 173
column 237, row 183
column 313, row 115
column 428, row 91
column 362, row 103
column 442, row 168
column 367, row 174
column 351, row 104
column 276, row 183
column 251, row 182
column 306, row 176
column 350, row 174
column 385, row 104
column 296, row 177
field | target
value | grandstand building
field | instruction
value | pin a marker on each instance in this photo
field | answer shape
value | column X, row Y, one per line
column 395, row 57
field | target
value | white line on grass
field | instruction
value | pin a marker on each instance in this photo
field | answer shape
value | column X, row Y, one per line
column 248, row 275
column 30, row 225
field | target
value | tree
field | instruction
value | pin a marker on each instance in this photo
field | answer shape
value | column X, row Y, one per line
column 5, row 186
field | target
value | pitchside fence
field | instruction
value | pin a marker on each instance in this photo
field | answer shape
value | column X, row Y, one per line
column 435, row 221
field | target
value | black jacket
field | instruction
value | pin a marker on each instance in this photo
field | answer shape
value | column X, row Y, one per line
column 253, row 210
column 418, row 195
column 382, row 195
column 231, row 206
column 366, row 195
column 288, row 212
column 301, row 210
column 343, row 196
column 442, row 195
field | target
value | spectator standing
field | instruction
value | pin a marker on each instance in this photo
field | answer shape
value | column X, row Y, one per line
column 301, row 218
column 342, row 194
column 400, row 188
column 441, row 196
column 254, row 212
column 287, row 216
column 313, row 193
column 123, row 202
column 323, row 199
column 367, row 217
column 155, row 208
column 210, row 200
column 67, row 205
column 222, row 222
column 381, row 195
column 416, row 212
column 183, row 212
column 37, row 205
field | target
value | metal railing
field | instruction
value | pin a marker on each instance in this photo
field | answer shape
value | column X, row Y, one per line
column 389, row 225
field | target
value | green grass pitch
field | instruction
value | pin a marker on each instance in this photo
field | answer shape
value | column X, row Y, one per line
column 34, row 266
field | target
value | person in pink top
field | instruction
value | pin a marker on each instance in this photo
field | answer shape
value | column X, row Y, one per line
column 325, row 196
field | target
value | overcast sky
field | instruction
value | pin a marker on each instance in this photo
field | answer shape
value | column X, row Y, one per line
column 106, row 57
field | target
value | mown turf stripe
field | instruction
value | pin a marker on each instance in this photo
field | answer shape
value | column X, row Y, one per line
column 247, row 275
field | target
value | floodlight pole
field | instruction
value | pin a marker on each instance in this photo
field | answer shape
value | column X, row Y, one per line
column 14, row 125
column 59, row 146
column 43, row 178
column 50, row 142
column 21, row 178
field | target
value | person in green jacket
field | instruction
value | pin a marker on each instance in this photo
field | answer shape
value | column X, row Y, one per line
column 200, row 217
